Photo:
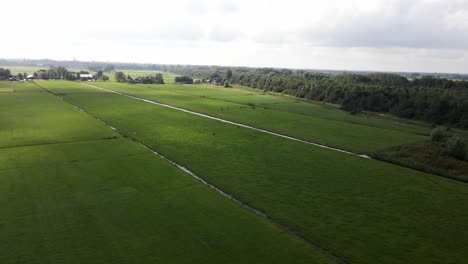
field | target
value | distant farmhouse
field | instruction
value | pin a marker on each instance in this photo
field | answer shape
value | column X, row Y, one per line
column 86, row 76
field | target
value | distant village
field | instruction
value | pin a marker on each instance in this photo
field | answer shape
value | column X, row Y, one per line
column 53, row 73
column 62, row 73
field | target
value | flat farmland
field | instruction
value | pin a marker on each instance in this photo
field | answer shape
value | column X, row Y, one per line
column 17, row 87
column 115, row 202
column 249, row 97
column 362, row 210
column 40, row 118
column 95, row 200
column 331, row 127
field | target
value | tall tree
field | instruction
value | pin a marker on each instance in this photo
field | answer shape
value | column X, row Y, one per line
column 120, row 76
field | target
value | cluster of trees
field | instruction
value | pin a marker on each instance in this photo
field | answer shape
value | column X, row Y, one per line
column 153, row 79
column 4, row 74
column 149, row 79
column 434, row 100
column 120, row 76
column 101, row 76
column 56, row 73
column 455, row 146
column 63, row 73
column 184, row 79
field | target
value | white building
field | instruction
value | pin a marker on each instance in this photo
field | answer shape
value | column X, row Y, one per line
column 86, row 76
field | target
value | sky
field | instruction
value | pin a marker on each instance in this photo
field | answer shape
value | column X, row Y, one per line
column 379, row 35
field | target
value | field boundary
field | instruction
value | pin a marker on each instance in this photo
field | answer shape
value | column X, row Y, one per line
column 233, row 123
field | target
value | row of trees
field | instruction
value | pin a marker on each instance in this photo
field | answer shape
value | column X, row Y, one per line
column 109, row 67
column 149, row 79
column 56, row 73
column 434, row 100
column 62, row 73
column 184, row 79
column 153, row 79
column 455, row 146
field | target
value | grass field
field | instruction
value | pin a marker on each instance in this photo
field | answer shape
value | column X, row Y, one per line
column 40, row 118
column 112, row 201
column 280, row 114
column 17, row 87
column 363, row 210
column 285, row 103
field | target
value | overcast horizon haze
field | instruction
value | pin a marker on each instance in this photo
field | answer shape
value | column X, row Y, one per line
column 381, row 35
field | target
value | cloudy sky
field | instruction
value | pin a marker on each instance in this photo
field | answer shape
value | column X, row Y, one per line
column 390, row 35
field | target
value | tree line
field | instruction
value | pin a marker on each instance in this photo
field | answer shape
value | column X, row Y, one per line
column 62, row 73
column 53, row 73
column 149, row 79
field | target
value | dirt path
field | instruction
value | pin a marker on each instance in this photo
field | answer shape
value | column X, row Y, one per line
column 231, row 122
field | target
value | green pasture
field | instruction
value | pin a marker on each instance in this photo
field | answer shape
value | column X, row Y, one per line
column 114, row 202
column 19, row 87
column 248, row 96
column 40, row 118
column 330, row 127
column 86, row 200
column 363, row 210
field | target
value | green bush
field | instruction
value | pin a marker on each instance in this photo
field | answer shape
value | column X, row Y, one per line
column 438, row 134
column 456, row 147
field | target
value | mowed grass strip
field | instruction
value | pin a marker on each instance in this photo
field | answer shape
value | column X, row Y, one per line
column 115, row 202
column 365, row 210
column 41, row 118
column 321, row 128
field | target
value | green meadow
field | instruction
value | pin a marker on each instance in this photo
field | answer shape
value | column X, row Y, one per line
column 363, row 210
column 40, row 118
column 74, row 191
column 308, row 121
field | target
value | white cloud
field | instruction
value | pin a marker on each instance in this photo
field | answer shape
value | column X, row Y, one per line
column 417, row 35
